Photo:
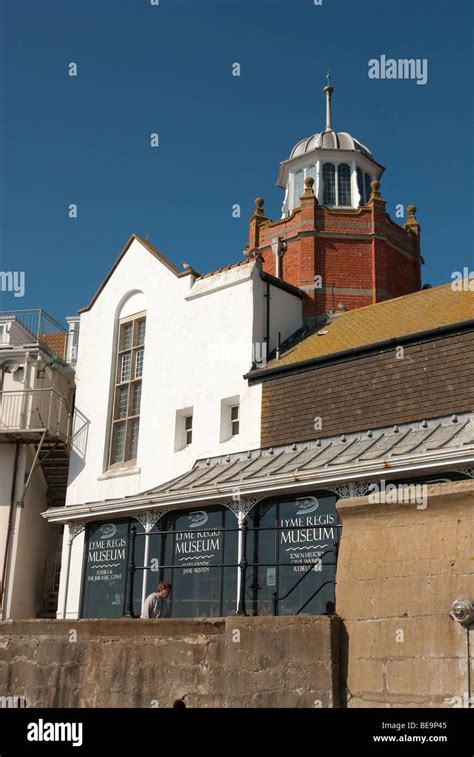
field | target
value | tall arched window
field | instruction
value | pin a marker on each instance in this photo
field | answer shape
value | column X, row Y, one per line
column 127, row 379
column 368, row 191
column 343, row 184
column 360, row 186
column 311, row 171
column 298, row 188
column 128, row 390
column 329, row 184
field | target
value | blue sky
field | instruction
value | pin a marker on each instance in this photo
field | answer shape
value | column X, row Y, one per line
column 167, row 69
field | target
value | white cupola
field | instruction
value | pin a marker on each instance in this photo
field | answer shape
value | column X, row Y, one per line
column 341, row 166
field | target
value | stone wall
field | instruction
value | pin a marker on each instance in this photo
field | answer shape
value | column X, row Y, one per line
column 394, row 643
column 224, row 662
column 399, row 570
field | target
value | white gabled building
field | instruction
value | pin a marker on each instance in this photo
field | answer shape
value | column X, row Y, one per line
column 186, row 467
column 160, row 381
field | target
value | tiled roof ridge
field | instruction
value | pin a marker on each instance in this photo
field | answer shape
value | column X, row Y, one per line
column 225, row 268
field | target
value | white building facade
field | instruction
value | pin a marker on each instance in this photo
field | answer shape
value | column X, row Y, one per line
column 169, row 479
column 160, row 383
column 36, row 401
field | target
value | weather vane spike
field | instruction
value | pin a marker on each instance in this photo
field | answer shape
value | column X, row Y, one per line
column 328, row 90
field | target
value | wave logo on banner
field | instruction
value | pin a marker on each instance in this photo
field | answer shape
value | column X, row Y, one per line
column 306, row 505
column 197, row 519
column 108, row 531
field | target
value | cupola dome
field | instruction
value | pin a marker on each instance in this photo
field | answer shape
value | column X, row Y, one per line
column 341, row 166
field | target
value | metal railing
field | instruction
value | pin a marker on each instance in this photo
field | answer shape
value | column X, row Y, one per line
column 314, row 566
column 243, row 564
column 22, row 328
column 35, row 410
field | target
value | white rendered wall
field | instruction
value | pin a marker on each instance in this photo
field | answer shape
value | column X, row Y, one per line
column 196, row 352
column 33, row 540
column 71, row 575
column 7, row 460
column 285, row 314
column 198, row 347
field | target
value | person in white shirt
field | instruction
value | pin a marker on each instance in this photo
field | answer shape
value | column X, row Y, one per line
column 158, row 604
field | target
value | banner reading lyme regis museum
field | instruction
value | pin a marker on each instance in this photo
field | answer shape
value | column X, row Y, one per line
column 106, row 555
column 291, row 552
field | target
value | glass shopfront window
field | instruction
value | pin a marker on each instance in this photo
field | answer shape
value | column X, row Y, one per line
column 291, row 537
column 105, row 569
column 193, row 550
column 191, row 547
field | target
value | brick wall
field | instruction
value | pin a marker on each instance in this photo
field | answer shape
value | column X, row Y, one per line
column 360, row 250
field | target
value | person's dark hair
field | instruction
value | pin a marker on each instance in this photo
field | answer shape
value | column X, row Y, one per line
column 164, row 585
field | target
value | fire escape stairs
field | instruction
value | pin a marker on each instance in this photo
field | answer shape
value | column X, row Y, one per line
column 53, row 457
column 54, row 460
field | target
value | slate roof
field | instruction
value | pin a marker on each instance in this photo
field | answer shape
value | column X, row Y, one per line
column 392, row 319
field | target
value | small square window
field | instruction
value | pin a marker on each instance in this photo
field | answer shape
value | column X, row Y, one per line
column 183, row 436
column 230, row 418
column 234, row 420
column 188, row 428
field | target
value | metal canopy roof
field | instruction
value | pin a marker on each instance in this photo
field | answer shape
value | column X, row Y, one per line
column 407, row 450
column 382, row 447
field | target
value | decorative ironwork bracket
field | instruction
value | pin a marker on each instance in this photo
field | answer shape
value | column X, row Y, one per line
column 241, row 506
column 150, row 518
column 351, row 489
column 75, row 529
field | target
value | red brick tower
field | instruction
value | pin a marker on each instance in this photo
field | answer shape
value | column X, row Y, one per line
column 335, row 240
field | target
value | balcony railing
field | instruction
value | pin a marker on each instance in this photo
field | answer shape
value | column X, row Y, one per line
column 35, row 411
column 26, row 328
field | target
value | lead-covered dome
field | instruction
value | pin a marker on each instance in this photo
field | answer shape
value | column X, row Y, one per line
column 341, row 167
column 329, row 140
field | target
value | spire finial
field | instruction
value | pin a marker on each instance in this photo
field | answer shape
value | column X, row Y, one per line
column 328, row 90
